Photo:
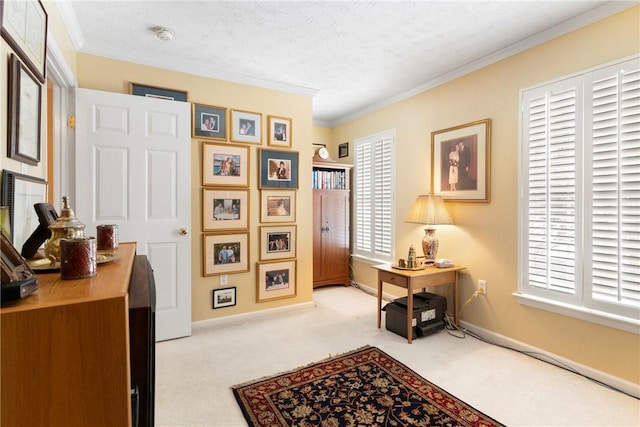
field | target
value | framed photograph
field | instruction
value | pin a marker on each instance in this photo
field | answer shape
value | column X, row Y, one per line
column 277, row 242
column 280, row 131
column 225, row 165
column 276, row 280
column 278, row 206
column 157, row 92
column 246, row 126
column 23, row 24
column 225, row 297
column 225, row 253
column 25, row 98
column 19, row 193
column 343, row 150
column 208, row 122
column 461, row 162
column 278, row 169
column 225, row 209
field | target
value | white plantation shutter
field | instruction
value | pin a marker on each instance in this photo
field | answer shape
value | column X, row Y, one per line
column 580, row 185
column 614, row 157
column 373, row 200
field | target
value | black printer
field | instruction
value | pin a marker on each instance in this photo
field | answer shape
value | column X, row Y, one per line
column 428, row 314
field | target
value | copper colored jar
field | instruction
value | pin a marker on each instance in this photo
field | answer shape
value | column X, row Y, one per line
column 107, row 235
column 78, row 258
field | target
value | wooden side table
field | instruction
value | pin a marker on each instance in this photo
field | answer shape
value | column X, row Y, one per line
column 419, row 279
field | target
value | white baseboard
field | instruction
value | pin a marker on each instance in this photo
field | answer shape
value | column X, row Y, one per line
column 495, row 338
column 610, row 380
column 234, row 318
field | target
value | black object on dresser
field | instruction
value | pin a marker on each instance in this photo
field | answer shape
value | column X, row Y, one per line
column 142, row 342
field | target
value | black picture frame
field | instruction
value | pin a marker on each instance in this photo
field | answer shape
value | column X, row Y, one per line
column 25, row 115
column 202, row 113
column 343, row 150
column 19, row 193
column 28, row 37
column 157, row 92
column 223, row 297
column 271, row 162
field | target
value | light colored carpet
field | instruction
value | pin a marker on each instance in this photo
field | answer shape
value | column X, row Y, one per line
column 194, row 375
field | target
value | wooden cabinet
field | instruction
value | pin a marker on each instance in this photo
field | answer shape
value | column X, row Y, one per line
column 331, row 236
column 65, row 355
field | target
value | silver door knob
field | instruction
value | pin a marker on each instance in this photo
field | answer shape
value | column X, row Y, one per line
column 183, row 232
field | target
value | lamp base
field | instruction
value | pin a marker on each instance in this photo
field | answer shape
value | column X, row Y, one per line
column 430, row 244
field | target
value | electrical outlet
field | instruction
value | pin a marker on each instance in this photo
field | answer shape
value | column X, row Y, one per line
column 482, row 287
column 224, row 280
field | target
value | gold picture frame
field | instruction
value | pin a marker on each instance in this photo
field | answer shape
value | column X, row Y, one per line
column 278, row 242
column 277, row 206
column 225, row 253
column 246, row 126
column 280, row 131
column 225, row 209
column 276, row 280
column 461, row 162
column 225, row 165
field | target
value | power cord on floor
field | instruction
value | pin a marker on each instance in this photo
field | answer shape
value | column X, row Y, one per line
column 463, row 332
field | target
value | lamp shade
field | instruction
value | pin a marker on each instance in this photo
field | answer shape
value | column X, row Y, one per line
column 429, row 209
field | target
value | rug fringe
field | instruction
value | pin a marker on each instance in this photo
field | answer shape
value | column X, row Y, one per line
column 326, row 359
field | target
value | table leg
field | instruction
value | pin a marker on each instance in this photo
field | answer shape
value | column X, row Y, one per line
column 455, row 300
column 379, row 303
column 409, row 312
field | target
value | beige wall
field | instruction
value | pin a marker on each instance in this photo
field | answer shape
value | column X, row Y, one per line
column 484, row 238
column 97, row 73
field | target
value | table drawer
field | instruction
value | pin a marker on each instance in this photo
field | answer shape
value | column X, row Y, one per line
column 393, row 279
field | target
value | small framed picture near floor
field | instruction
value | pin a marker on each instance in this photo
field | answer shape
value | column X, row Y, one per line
column 225, row 253
column 225, row 297
column 276, row 280
column 277, row 242
column 208, row 121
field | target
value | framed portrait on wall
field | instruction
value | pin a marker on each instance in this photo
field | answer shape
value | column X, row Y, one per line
column 276, row 280
column 280, row 131
column 246, row 126
column 277, row 206
column 224, row 209
column 208, row 121
column 461, row 162
column 224, row 253
column 278, row 169
column 225, row 165
column 277, row 242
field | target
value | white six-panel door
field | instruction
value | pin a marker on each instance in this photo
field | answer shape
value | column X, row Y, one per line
column 133, row 169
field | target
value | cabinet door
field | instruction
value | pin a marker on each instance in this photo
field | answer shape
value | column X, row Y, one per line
column 335, row 237
column 318, row 273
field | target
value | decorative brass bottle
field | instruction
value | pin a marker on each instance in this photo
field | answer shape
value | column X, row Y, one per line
column 65, row 227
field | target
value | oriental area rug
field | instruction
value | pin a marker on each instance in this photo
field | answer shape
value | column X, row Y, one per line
column 365, row 387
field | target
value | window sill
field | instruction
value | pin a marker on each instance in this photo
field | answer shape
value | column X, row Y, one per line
column 368, row 260
column 593, row 316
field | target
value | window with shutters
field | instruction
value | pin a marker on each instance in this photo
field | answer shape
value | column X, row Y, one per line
column 373, row 173
column 579, row 216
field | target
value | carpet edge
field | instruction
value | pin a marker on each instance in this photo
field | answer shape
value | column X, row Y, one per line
column 326, row 359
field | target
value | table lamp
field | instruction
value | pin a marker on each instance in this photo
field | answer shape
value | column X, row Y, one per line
column 430, row 210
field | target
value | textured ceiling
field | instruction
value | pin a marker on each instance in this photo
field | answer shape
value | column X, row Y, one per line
column 352, row 56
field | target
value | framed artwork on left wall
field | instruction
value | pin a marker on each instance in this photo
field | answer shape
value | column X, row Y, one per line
column 24, row 121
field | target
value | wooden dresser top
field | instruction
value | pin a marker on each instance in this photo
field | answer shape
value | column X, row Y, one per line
column 111, row 281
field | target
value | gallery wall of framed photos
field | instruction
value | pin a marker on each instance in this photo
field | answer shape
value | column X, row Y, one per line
column 230, row 138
